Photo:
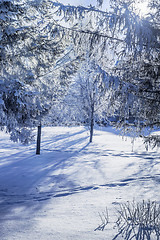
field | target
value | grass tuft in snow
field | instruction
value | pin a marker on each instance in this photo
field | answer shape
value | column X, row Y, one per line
column 140, row 221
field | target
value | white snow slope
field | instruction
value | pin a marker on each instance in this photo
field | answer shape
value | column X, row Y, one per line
column 57, row 195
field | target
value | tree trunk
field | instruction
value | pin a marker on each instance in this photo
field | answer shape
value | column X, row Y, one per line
column 38, row 140
column 92, row 123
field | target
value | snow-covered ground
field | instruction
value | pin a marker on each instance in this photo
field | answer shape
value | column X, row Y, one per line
column 59, row 194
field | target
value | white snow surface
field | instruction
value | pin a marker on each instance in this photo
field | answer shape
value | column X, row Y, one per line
column 59, row 194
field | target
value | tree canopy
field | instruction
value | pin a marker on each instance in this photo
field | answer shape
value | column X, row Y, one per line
column 43, row 44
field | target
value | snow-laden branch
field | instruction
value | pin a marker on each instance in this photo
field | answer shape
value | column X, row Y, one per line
column 74, row 10
column 87, row 31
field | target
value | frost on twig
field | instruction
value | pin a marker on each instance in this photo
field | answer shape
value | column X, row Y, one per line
column 152, row 141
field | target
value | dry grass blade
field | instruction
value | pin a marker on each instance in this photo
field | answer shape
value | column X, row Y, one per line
column 104, row 220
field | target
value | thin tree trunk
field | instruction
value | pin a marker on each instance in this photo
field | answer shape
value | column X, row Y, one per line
column 92, row 124
column 38, row 140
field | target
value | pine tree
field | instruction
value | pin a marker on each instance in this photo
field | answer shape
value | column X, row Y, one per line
column 30, row 50
column 139, row 88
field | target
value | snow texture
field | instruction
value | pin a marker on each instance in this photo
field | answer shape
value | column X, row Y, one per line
column 58, row 194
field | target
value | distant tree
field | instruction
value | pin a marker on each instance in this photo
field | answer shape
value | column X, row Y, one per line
column 87, row 99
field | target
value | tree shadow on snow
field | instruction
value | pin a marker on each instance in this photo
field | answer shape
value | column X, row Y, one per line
column 27, row 182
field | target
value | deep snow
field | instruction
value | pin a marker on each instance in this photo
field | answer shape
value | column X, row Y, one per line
column 58, row 194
